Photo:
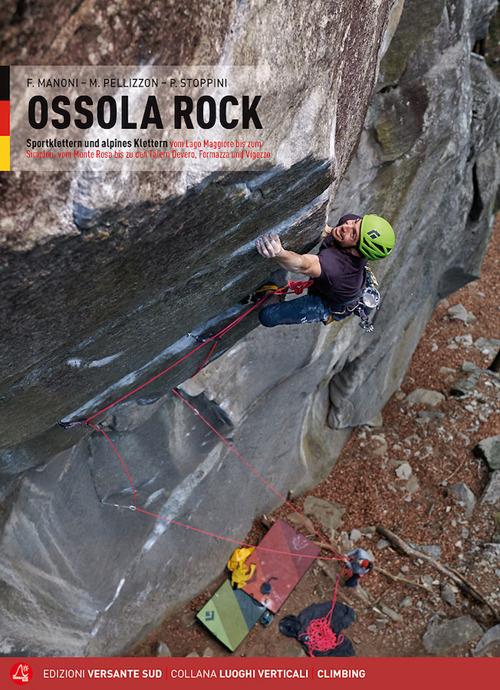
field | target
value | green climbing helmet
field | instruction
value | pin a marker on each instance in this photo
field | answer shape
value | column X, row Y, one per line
column 376, row 239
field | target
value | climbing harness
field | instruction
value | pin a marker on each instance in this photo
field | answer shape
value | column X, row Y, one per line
column 319, row 636
column 363, row 306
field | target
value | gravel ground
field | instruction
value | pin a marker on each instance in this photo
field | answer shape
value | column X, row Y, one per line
column 437, row 442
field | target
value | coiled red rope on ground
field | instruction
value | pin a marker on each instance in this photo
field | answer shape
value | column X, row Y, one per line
column 319, row 636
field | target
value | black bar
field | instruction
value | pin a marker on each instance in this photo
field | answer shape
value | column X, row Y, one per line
column 4, row 83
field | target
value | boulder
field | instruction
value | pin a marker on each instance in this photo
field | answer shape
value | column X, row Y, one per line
column 459, row 313
column 404, row 471
column 425, row 417
column 448, row 595
column 488, row 346
column 378, row 445
column 412, row 485
column 489, row 643
column 442, row 637
column 327, row 513
column 489, row 450
column 433, row 550
column 423, row 396
column 427, row 580
column 163, row 650
column 492, row 492
column 466, row 386
column 465, row 340
column 464, row 496
column 390, row 613
column 491, row 552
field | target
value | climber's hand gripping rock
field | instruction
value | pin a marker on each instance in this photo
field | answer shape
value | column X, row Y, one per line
column 269, row 246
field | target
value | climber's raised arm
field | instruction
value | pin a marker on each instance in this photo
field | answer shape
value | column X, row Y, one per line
column 340, row 285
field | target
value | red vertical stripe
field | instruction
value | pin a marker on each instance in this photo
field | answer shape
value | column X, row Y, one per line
column 4, row 118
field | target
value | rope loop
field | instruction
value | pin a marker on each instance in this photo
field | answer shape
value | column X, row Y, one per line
column 319, row 636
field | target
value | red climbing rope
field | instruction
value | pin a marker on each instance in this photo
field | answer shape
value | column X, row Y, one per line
column 292, row 286
column 118, row 455
column 296, row 286
column 231, row 447
column 223, row 538
column 234, row 450
column 210, row 339
column 319, row 636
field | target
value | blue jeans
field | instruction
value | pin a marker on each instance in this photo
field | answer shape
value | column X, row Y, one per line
column 306, row 309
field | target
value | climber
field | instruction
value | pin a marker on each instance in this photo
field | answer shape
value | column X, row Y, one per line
column 339, row 271
column 359, row 564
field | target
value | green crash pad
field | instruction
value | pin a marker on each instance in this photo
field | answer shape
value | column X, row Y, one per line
column 230, row 614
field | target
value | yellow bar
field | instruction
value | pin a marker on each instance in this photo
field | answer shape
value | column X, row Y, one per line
column 4, row 154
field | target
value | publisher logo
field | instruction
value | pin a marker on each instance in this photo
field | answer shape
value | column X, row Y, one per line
column 21, row 673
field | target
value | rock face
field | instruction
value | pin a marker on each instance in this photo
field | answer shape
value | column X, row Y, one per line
column 418, row 169
column 103, row 282
column 490, row 640
column 163, row 237
column 441, row 637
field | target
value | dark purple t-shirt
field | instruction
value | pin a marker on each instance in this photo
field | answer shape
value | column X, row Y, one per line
column 342, row 274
